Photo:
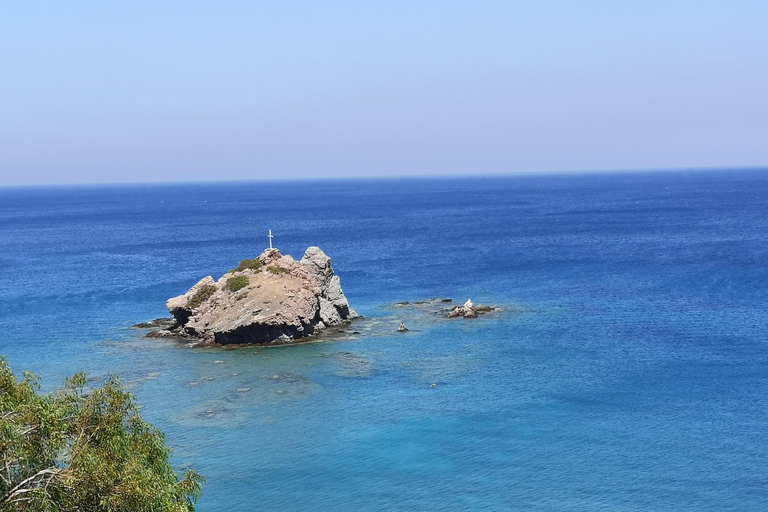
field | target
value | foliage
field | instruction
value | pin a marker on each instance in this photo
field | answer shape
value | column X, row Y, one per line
column 237, row 283
column 85, row 450
column 278, row 270
column 254, row 264
column 203, row 294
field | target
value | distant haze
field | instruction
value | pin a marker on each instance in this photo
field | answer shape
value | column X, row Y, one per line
column 175, row 91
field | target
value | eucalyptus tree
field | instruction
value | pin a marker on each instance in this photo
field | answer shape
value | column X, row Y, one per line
column 84, row 449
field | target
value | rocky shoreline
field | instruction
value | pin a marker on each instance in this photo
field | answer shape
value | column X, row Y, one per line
column 416, row 315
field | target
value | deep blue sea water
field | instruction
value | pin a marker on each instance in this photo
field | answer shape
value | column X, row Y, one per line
column 628, row 370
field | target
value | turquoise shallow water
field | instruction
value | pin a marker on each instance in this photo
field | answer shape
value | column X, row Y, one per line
column 628, row 370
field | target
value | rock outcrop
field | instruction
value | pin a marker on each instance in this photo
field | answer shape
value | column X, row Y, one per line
column 469, row 310
column 272, row 299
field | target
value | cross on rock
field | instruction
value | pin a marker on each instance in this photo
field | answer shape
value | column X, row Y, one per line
column 270, row 239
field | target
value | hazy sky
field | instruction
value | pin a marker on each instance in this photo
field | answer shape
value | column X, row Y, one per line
column 167, row 91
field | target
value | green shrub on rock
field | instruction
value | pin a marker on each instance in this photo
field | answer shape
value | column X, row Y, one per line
column 237, row 283
column 203, row 294
column 254, row 264
column 278, row 270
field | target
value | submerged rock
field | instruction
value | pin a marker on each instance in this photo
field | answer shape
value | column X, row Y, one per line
column 154, row 324
column 271, row 299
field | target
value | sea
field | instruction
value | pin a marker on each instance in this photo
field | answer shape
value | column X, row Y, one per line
column 626, row 368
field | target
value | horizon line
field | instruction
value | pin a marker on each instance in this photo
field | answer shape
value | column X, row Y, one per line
column 377, row 177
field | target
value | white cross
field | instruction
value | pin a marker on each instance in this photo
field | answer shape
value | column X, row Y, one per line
column 270, row 239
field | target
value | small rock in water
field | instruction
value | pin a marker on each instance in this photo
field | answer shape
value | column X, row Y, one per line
column 243, row 390
column 469, row 310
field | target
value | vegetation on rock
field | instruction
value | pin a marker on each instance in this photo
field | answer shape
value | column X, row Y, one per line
column 278, row 270
column 237, row 283
column 203, row 294
column 85, row 449
column 254, row 264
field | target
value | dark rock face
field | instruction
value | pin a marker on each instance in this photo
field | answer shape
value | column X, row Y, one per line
column 281, row 301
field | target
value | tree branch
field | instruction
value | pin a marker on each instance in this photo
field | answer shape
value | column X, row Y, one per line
column 16, row 493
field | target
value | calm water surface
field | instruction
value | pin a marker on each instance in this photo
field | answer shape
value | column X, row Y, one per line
column 629, row 370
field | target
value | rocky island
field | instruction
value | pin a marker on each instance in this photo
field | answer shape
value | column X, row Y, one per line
column 267, row 300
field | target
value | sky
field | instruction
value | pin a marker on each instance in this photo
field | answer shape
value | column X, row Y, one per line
column 110, row 92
